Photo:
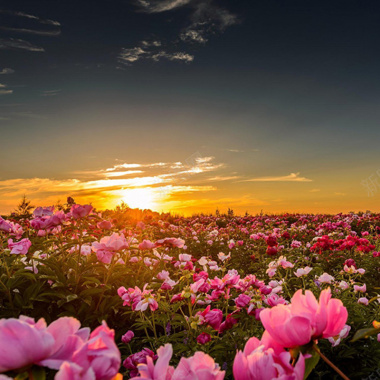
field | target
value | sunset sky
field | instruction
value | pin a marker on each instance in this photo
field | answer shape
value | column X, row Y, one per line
column 191, row 105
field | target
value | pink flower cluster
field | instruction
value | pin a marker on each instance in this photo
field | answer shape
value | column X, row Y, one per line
column 200, row 366
column 62, row 346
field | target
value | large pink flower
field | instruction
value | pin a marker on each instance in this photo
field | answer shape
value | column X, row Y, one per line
column 198, row 367
column 305, row 319
column 23, row 342
column 259, row 361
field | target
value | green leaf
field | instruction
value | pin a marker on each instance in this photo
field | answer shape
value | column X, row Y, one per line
column 365, row 333
column 22, row 376
column 310, row 363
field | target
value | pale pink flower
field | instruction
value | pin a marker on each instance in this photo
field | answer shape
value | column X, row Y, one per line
column 303, row 271
column 198, row 367
column 325, row 278
column 363, row 301
column 361, row 289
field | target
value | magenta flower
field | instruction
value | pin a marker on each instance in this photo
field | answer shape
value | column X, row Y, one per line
column 203, row 338
column 159, row 371
column 132, row 361
column 127, row 337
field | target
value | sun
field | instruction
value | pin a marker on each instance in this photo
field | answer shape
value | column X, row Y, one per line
column 140, row 198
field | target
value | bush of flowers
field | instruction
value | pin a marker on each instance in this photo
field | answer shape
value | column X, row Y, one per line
column 86, row 295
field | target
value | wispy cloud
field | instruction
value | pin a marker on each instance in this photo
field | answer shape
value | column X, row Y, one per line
column 6, row 71
column 204, row 20
column 29, row 16
column 17, row 44
column 292, row 177
column 4, row 90
column 32, row 31
column 151, row 51
column 157, row 6
column 111, row 174
column 51, row 92
column 223, row 178
column 35, row 26
column 235, row 150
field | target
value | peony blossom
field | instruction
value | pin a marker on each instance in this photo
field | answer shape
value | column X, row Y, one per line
column 108, row 246
column 325, row 278
column 36, row 343
column 305, row 319
column 20, row 247
column 303, row 271
column 260, row 361
column 127, row 337
column 78, row 211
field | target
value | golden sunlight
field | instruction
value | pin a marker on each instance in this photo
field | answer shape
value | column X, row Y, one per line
column 143, row 198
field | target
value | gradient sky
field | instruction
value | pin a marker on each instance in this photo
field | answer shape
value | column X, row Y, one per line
column 191, row 105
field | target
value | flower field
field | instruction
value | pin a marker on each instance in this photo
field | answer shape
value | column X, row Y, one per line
column 91, row 296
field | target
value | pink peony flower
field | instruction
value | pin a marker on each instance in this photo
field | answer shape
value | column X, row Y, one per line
column 305, row 319
column 146, row 245
column 36, row 343
column 104, row 225
column 100, row 353
column 303, row 271
column 260, row 362
column 108, row 246
column 20, row 247
column 72, row 371
column 213, row 317
column 361, row 289
column 325, row 278
column 127, row 337
column 363, row 301
column 200, row 366
column 242, row 300
column 132, row 361
column 78, row 211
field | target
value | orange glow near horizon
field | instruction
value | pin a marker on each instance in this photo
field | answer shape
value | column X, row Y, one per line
column 142, row 198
